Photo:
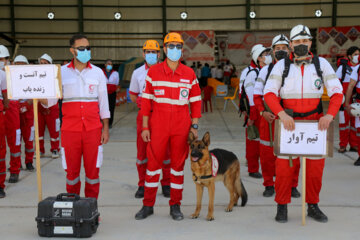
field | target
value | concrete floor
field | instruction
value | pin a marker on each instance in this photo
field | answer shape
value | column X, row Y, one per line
column 340, row 195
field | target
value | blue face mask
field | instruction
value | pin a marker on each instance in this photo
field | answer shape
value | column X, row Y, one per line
column 83, row 56
column 151, row 58
column 109, row 67
column 174, row 54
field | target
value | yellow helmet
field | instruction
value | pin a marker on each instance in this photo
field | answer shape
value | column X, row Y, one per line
column 151, row 45
column 173, row 37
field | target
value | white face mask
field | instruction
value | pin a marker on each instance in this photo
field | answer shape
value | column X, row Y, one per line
column 268, row 59
column 355, row 59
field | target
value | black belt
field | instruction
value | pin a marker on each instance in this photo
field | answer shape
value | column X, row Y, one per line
column 202, row 177
column 318, row 109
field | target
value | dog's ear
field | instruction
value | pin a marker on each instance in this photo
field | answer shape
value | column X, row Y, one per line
column 191, row 137
column 206, row 139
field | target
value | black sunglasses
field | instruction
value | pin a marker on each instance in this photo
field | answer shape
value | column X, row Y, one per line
column 172, row 46
column 82, row 48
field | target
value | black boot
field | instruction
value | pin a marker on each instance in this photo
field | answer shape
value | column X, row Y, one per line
column 2, row 193
column 166, row 191
column 357, row 162
column 255, row 175
column 175, row 212
column 315, row 212
column 140, row 192
column 144, row 213
column 14, row 178
column 30, row 167
column 281, row 215
column 295, row 193
column 269, row 191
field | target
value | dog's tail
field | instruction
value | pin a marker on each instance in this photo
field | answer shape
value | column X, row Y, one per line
column 244, row 195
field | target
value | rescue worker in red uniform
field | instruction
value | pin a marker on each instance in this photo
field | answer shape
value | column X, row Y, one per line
column 354, row 82
column 301, row 91
column 85, row 124
column 112, row 81
column 347, row 127
column 151, row 54
column 49, row 117
column 4, row 59
column 26, row 122
column 170, row 87
column 280, row 50
column 260, row 56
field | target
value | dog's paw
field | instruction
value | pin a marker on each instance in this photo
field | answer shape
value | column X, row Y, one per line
column 210, row 218
column 228, row 209
column 194, row 216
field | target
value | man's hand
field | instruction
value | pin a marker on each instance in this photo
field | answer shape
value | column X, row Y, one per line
column 105, row 136
column 348, row 109
column 289, row 123
column 324, row 122
column 145, row 134
column 195, row 132
column 269, row 117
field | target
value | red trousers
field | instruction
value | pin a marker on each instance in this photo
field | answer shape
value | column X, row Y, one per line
column 252, row 149
column 2, row 151
column 141, row 162
column 285, row 175
column 267, row 157
column 347, row 130
column 85, row 144
column 168, row 129
column 50, row 118
column 28, row 132
column 13, row 135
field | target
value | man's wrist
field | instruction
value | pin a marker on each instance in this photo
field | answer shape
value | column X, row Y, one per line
column 195, row 126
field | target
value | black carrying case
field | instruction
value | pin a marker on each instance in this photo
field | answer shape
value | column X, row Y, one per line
column 67, row 215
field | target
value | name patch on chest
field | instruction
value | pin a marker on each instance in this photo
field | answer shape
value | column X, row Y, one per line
column 184, row 94
column 184, row 80
column 159, row 92
column 215, row 165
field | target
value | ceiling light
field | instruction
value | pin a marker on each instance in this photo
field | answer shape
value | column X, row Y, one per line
column 252, row 14
column 184, row 15
column 51, row 15
column 117, row 15
column 318, row 13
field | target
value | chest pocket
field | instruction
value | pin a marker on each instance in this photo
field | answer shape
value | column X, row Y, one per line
column 91, row 87
column 70, row 88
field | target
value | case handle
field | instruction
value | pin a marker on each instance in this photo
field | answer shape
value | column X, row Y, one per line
column 61, row 196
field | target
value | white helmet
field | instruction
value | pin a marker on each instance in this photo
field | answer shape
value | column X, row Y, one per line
column 4, row 52
column 256, row 51
column 300, row 32
column 21, row 58
column 356, row 109
column 280, row 39
column 46, row 57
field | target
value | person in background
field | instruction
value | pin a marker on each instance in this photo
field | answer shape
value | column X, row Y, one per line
column 112, row 80
column 205, row 74
column 198, row 71
column 49, row 117
column 219, row 73
column 213, row 71
column 228, row 69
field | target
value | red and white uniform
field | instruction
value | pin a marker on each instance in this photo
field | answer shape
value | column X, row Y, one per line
column 2, row 131
column 267, row 157
column 27, row 129
column 137, row 85
column 85, row 103
column 112, row 82
column 301, row 94
column 168, row 93
column 356, row 76
column 347, row 127
column 252, row 146
column 49, row 117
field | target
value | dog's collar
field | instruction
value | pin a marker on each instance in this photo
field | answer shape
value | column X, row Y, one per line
column 202, row 177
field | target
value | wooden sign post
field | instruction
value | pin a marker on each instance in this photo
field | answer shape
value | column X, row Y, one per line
column 305, row 141
column 34, row 82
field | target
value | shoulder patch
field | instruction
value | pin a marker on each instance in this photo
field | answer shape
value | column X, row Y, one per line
column 215, row 165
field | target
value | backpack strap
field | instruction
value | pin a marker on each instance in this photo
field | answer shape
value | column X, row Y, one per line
column 319, row 72
column 287, row 62
column 253, row 69
column 269, row 71
column 344, row 64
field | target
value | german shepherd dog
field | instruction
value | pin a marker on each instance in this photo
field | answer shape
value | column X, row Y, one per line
column 202, row 165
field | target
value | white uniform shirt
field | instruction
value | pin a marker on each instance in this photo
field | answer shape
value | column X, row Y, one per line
column 308, row 86
column 2, row 83
column 137, row 83
column 249, row 85
column 243, row 76
column 355, row 75
column 113, row 79
column 347, row 75
column 260, row 81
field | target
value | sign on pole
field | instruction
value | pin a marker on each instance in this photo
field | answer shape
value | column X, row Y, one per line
column 305, row 141
column 34, row 82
